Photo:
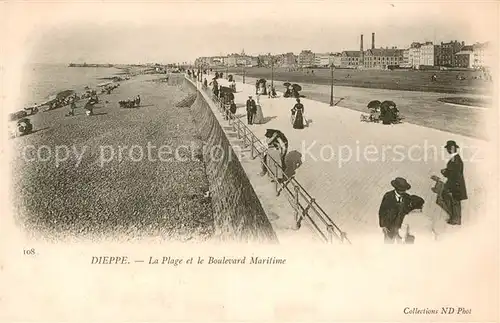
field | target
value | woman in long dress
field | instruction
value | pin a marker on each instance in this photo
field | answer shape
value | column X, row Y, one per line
column 274, row 161
column 298, row 115
column 259, row 116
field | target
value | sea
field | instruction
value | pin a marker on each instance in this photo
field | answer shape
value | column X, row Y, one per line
column 39, row 81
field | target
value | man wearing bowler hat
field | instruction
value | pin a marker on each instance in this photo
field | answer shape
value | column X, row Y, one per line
column 454, row 190
column 251, row 109
column 395, row 205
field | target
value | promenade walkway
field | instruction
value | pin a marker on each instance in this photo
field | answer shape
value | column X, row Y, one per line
column 277, row 207
column 347, row 165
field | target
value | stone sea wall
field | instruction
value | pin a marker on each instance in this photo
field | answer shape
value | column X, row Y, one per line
column 238, row 212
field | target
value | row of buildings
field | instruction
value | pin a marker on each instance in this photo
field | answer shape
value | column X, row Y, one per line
column 452, row 54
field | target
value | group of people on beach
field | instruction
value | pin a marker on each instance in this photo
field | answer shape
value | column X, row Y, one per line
column 92, row 99
column 130, row 103
column 62, row 102
column 109, row 88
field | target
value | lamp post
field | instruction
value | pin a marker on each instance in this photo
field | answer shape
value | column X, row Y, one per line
column 244, row 71
column 331, row 84
column 272, row 70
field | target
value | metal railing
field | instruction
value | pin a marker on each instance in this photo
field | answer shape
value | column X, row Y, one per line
column 304, row 204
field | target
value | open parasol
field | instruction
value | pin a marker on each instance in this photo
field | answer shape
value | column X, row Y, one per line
column 388, row 104
column 226, row 89
column 262, row 81
column 297, row 87
column 287, row 84
column 375, row 104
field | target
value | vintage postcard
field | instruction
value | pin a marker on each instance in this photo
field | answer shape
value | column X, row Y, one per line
column 249, row 161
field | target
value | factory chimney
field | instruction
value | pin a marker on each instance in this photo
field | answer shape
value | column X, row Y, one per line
column 361, row 52
column 373, row 40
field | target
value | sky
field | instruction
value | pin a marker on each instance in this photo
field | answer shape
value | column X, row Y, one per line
column 173, row 31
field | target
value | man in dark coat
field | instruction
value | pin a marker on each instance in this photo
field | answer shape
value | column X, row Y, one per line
column 454, row 190
column 251, row 109
column 215, row 88
column 395, row 205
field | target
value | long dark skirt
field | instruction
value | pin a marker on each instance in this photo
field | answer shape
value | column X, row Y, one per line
column 298, row 122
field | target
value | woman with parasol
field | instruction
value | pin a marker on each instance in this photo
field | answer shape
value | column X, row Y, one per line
column 374, row 107
column 260, row 86
column 297, row 118
column 295, row 90
column 388, row 112
column 277, row 147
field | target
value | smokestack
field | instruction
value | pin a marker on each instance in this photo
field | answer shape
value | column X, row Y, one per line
column 373, row 40
column 361, row 54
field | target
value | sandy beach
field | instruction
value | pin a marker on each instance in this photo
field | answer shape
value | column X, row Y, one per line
column 101, row 194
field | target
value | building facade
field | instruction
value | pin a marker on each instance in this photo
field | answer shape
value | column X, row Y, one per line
column 219, row 60
column 322, row 59
column 382, row 58
column 285, row 60
column 464, row 58
column 421, row 54
column 232, row 60
column 444, row 54
column 306, row 58
column 289, row 60
column 482, row 56
column 406, row 58
column 350, row 59
column 336, row 59
column 427, row 54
